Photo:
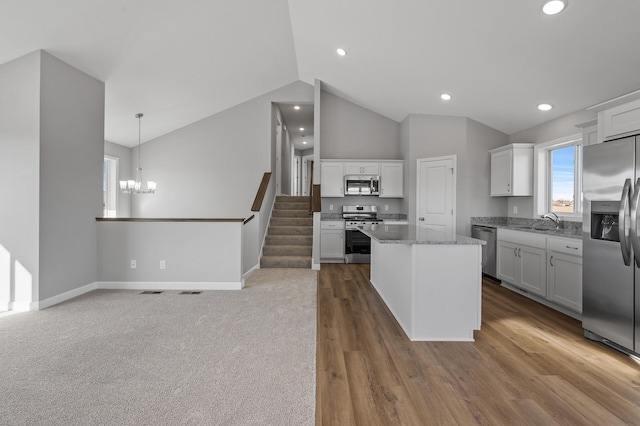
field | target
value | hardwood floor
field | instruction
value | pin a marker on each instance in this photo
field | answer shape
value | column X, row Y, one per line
column 529, row 365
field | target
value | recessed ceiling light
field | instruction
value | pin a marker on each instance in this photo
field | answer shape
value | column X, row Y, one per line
column 304, row 142
column 302, row 129
column 445, row 97
column 341, row 51
column 545, row 107
column 554, row 6
column 296, row 107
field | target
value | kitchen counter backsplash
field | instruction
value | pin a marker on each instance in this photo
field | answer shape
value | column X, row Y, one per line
column 382, row 216
column 330, row 216
column 569, row 227
column 392, row 216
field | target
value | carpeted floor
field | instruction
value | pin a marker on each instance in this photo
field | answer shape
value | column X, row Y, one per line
column 114, row 357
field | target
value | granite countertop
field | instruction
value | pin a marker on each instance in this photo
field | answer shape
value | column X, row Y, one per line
column 411, row 234
column 538, row 226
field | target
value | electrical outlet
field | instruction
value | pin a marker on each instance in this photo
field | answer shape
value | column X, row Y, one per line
column 386, row 207
column 163, row 265
column 330, row 206
column 133, row 264
column 515, row 209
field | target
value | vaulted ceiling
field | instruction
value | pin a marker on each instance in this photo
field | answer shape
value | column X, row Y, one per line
column 179, row 62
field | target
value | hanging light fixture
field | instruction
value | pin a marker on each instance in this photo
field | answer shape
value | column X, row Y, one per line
column 138, row 186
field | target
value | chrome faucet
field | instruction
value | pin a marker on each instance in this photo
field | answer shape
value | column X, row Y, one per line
column 553, row 218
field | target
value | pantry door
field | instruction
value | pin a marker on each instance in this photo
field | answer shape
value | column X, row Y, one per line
column 436, row 194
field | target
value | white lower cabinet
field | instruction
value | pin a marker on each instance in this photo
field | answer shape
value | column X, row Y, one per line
column 522, row 265
column 564, row 277
column 332, row 240
column 546, row 266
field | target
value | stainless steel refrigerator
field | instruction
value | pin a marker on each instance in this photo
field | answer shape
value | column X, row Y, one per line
column 611, row 247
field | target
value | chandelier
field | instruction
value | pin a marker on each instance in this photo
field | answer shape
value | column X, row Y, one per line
column 138, row 186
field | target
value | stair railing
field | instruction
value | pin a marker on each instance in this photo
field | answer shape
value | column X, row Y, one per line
column 262, row 190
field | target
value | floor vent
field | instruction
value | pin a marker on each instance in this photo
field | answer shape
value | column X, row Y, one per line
column 190, row 292
column 151, row 292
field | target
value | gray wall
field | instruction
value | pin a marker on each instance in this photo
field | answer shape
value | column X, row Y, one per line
column 123, row 154
column 194, row 252
column 71, row 156
column 350, row 131
column 19, row 171
column 426, row 136
column 52, row 133
column 551, row 130
column 212, row 168
column 475, row 177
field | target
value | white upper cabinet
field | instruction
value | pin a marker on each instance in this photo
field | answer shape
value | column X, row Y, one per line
column 331, row 179
column 512, row 170
column 392, row 180
column 618, row 117
column 620, row 120
column 391, row 174
column 357, row 168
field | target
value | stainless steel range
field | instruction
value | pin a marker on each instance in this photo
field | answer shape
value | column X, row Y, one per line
column 357, row 245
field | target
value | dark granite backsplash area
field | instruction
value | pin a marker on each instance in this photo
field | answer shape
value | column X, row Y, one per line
column 569, row 226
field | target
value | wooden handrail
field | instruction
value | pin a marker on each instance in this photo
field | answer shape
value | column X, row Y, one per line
column 316, row 201
column 262, row 190
column 310, row 177
column 159, row 219
column 249, row 219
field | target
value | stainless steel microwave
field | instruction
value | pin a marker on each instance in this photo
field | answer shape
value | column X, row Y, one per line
column 361, row 185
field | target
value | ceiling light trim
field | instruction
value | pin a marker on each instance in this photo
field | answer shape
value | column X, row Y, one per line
column 553, row 7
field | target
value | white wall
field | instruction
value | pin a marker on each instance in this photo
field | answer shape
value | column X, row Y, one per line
column 551, row 130
column 19, row 174
column 350, row 131
column 212, row 168
column 123, row 154
column 71, row 157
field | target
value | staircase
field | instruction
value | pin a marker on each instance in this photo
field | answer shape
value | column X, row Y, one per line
column 289, row 238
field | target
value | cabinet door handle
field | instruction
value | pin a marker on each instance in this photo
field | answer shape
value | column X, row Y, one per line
column 520, row 253
column 515, row 252
column 572, row 248
column 551, row 260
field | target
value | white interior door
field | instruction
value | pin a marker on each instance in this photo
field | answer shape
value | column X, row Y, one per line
column 306, row 173
column 295, row 177
column 436, row 194
column 278, row 156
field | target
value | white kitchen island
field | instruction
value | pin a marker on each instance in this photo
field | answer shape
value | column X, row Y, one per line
column 431, row 281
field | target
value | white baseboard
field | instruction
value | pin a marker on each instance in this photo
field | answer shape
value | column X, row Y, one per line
column 25, row 306
column 181, row 286
column 249, row 272
column 43, row 304
column 315, row 266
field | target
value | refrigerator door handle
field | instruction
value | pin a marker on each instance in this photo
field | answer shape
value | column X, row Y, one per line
column 622, row 222
column 635, row 242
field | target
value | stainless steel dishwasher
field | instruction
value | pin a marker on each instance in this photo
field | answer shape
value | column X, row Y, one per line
column 489, row 235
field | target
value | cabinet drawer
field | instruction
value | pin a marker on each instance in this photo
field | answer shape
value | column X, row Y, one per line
column 332, row 224
column 524, row 238
column 565, row 245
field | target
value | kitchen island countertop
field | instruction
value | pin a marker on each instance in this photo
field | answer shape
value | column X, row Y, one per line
column 411, row 234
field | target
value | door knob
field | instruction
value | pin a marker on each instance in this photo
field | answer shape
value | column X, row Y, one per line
column 421, row 219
